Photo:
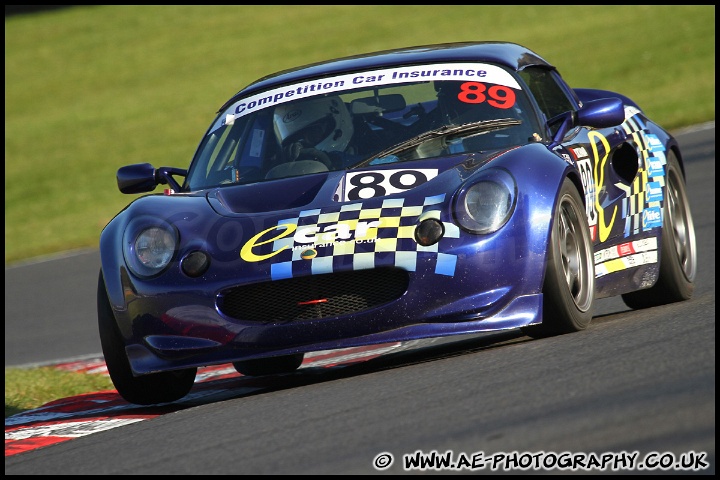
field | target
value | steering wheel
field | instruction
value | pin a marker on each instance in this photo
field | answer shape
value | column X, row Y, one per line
column 388, row 126
column 315, row 154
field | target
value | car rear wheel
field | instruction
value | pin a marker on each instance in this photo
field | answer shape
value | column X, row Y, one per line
column 142, row 390
column 678, row 254
column 569, row 286
column 269, row 366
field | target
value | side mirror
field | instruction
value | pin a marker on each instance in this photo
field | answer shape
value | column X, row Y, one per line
column 143, row 177
column 601, row 113
column 138, row 178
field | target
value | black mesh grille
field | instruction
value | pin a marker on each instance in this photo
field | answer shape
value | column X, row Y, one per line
column 315, row 296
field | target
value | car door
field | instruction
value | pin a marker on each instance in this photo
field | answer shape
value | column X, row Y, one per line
column 607, row 159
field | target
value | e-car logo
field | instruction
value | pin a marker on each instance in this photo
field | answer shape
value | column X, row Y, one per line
column 652, row 218
column 307, row 236
column 332, row 233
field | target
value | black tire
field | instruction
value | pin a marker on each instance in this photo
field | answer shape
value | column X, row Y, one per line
column 569, row 285
column 270, row 365
column 142, row 390
column 678, row 254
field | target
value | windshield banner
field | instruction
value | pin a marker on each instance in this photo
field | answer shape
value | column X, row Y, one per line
column 418, row 73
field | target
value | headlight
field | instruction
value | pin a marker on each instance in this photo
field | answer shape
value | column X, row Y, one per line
column 149, row 246
column 486, row 204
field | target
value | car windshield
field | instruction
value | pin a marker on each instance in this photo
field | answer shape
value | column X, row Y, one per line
column 362, row 119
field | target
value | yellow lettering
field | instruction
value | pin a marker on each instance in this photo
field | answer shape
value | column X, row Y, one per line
column 603, row 229
column 246, row 251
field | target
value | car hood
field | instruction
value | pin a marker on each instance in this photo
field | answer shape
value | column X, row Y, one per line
column 321, row 189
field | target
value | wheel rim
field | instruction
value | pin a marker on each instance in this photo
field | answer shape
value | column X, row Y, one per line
column 575, row 255
column 680, row 224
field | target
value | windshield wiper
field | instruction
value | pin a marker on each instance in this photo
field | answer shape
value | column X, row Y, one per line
column 476, row 128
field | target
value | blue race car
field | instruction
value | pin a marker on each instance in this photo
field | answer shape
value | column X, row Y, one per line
column 405, row 194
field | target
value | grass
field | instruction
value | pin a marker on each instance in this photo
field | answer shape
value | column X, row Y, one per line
column 26, row 389
column 90, row 89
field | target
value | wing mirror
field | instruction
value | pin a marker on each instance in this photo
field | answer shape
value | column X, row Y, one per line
column 143, row 177
column 601, row 113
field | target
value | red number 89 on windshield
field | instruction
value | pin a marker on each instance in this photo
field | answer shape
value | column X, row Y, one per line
column 498, row 96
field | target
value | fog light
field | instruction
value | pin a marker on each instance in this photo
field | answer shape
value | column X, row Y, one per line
column 195, row 264
column 429, row 232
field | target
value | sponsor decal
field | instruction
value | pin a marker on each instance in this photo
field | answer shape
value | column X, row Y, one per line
column 624, row 263
column 654, row 192
column 625, row 249
column 474, row 73
column 308, row 254
column 308, row 235
column 355, row 235
column 654, row 143
column 651, row 218
column 579, row 152
column 625, row 255
column 655, row 166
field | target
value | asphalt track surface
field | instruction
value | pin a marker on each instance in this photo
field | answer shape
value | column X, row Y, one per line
column 634, row 382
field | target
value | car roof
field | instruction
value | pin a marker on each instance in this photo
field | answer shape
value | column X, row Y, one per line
column 511, row 55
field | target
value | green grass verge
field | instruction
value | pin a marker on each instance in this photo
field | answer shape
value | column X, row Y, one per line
column 30, row 388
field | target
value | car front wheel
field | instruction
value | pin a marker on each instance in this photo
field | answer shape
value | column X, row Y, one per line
column 141, row 390
column 569, row 285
